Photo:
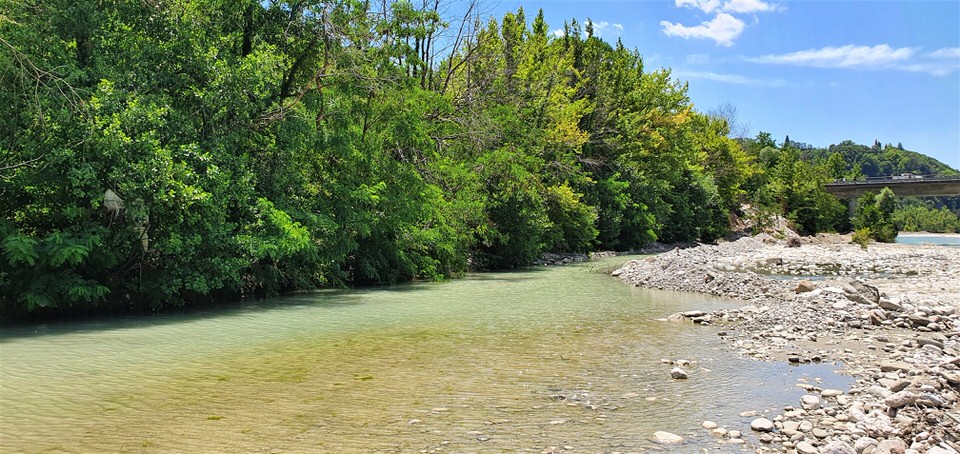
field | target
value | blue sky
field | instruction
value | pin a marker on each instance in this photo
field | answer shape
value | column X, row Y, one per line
column 818, row 71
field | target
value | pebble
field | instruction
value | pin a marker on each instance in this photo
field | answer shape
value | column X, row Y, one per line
column 709, row 425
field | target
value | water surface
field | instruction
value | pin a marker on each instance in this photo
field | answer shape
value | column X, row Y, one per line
column 929, row 238
column 562, row 358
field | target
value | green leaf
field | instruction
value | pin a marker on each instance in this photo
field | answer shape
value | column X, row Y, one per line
column 20, row 249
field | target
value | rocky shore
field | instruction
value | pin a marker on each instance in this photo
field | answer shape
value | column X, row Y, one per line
column 889, row 314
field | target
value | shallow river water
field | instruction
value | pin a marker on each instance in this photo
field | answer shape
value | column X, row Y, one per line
column 562, row 359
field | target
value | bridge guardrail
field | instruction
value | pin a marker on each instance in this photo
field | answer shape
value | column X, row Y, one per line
column 897, row 179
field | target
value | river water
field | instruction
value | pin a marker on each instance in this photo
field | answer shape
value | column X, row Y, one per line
column 562, row 359
column 944, row 239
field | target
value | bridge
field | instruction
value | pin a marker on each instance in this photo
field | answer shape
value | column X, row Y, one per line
column 903, row 186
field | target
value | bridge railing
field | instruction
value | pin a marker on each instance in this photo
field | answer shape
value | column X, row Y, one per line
column 897, row 179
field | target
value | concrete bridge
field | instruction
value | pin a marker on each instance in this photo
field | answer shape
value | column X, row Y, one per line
column 903, row 186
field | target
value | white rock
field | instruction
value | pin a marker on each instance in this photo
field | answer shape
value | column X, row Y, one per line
column 810, row 402
column 667, row 437
column 709, row 425
column 837, row 447
column 900, row 399
column 762, row 425
column 806, row 448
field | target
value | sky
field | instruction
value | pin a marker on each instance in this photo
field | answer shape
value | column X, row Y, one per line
column 818, row 71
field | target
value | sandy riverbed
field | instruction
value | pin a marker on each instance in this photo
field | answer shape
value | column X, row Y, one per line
column 888, row 313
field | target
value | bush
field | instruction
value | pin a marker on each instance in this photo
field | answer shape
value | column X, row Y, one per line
column 862, row 236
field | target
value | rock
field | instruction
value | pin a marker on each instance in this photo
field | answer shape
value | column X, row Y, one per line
column 919, row 320
column 831, row 392
column 837, row 447
column 667, row 437
column 804, row 286
column 806, row 448
column 868, row 292
column 694, row 314
column 678, row 373
column 820, row 433
column 939, row 450
column 894, row 366
column 900, row 399
column 709, row 425
column 890, row 305
column 876, row 424
column 891, row 446
column 899, row 385
column 930, row 400
column 863, row 443
column 790, row 427
column 734, row 434
column 810, row 402
column 762, row 425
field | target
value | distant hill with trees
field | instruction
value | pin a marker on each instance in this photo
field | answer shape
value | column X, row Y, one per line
column 877, row 160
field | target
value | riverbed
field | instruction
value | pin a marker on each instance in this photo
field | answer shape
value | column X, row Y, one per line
column 548, row 359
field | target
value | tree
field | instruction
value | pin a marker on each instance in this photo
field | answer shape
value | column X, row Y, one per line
column 874, row 212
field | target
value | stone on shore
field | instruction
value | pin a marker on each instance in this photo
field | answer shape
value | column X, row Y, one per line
column 804, row 286
column 891, row 446
column 762, row 425
column 806, row 448
column 900, row 399
column 837, row 447
column 810, row 402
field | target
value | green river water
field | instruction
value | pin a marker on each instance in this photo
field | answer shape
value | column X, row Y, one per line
column 562, row 359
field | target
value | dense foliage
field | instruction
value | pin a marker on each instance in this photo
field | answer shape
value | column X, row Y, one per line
column 918, row 215
column 874, row 216
column 168, row 152
column 854, row 161
column 158, row 153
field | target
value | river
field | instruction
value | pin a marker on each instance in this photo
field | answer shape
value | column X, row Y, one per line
column 562, row 358
column 938, row 239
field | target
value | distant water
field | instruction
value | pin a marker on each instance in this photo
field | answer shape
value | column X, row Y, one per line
column 939, row 240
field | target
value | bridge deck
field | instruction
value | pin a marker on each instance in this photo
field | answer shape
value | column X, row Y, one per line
column 913, row 185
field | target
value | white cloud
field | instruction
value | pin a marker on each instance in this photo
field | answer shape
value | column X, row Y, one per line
column 730, row 6
column 706, row 5
column 849, row 56
column 559, row 33
column 735, row 79
column 938, row 63
column 698, row 59
column 946, row 52
column 603, row 26
column 748, row 6
column 723, row 29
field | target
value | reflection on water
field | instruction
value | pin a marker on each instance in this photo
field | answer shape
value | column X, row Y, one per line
column 564, row 358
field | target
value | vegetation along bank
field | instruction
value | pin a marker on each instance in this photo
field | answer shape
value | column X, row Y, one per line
column 157, row 154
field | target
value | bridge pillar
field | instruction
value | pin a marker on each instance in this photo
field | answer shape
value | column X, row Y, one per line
column 851, row 207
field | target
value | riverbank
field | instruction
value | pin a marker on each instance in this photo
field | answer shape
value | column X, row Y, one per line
column 889, row 314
